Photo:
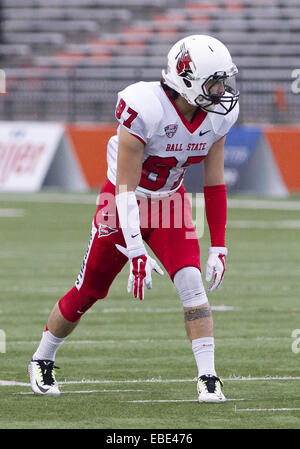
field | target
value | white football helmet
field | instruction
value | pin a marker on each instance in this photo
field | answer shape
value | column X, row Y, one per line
column 196, row 64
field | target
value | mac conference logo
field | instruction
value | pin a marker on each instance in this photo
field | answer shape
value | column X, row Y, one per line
column 170, row 130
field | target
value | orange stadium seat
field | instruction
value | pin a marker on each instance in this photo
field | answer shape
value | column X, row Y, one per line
column 79, row 44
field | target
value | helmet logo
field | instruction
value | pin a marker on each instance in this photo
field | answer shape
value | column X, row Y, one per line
column 184, row 62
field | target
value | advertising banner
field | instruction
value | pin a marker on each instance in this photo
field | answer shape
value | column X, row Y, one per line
column 240, row 145
column 26, row 152
column 284, row 142
column 36, row 154
column 250, row 166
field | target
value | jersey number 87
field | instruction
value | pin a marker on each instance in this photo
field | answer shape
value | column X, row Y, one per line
column 119, row 111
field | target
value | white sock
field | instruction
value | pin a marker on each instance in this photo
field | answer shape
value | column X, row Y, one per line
column 204, row 352
column 48, row 346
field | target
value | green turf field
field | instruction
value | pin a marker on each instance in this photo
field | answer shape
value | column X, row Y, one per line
column 128, row 365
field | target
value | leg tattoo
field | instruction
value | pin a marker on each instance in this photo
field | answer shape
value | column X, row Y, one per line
column 195, row 314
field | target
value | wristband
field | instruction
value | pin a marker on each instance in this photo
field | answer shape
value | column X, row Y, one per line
column 218, row 250
column 129, row 218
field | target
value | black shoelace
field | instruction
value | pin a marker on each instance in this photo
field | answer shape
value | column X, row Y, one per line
column 210, row 382
column 47, row 368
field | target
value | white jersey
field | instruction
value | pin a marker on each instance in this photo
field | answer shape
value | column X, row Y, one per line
column 171, row 142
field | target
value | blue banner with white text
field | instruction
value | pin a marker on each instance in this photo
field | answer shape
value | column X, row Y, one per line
column 240, row 145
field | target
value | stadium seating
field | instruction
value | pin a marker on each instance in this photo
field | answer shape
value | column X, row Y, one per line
column 66, row 60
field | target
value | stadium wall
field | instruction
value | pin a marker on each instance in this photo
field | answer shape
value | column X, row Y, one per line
column 258, row 160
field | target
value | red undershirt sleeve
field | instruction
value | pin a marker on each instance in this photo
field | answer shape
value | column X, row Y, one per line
column 215, row 198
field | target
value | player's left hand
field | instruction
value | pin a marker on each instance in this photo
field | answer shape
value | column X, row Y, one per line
column 215, row 266
column 140, row 272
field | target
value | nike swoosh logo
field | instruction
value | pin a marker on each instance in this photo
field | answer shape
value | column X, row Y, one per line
column 204, row 132
column 139, row 263
column 133, row 236
column 43, row 390
column 107, row 215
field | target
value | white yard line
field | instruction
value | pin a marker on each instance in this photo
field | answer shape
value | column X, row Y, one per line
column 141, row 309
column 86, row 391
column 50, row 197
column 90, row 198
column 150, row 401
column 146, row 341
column 260, row 224
column 11, row 383
column 245, row 203
column 220, row 308
column 9, row 213
column 283, row 409
column 83, row 382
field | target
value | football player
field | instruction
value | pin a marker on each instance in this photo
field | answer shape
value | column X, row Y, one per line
column 163, row 128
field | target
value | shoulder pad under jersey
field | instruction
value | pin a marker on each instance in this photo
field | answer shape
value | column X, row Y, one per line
column 139, row 109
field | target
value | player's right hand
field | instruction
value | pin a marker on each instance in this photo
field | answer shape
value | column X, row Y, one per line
column 140, row 273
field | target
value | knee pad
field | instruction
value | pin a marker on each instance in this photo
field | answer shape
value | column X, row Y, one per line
column 74, row 304
column 188, row 282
